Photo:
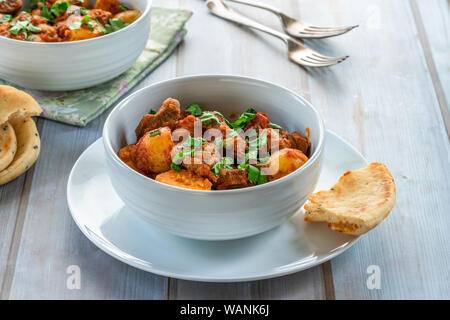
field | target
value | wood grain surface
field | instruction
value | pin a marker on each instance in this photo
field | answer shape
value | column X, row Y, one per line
column 390, row 99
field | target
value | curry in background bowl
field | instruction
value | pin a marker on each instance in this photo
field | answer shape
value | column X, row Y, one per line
column 63, row 20
column 203, row 150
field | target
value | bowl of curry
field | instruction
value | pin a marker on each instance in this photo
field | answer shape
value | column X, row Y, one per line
column 70, row 44
column 214, row 157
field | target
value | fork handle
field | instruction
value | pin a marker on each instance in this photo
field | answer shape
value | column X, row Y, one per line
column 258, row 4
column 218, row 8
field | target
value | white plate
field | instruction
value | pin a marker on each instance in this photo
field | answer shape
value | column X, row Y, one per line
column 294, row 246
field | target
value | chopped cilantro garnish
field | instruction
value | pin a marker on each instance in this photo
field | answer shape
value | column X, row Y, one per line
column 123, row 7
column 152, row 111
column 253, row 174
column 179, row 156
column 154, row 133
column 274, row 126
column 58, row 8
column 243, row 119
column 45, row 12
column 24, row 26
column 6, row 18
column 194, row 109
column 175, row 167
column 114, row 25
column 225, row 163
column 84, row 11
column 262, row 178
column 207, row 116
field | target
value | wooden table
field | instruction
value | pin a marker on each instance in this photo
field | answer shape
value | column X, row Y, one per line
column 390, row 100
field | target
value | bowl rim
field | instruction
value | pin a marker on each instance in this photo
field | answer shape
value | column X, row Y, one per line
column 74, row 43
column 314, row 157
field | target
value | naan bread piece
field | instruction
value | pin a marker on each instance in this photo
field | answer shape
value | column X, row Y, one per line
column 14, row 102
column 28, row 148
column 8, row 145
column 357, row 203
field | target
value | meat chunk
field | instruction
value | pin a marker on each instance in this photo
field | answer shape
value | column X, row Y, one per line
column 302, row 143
column 112, row 6
column 10, row 6
column 260, row 121
column 167, row 116
column 202, row 161
column 101, row 15
column 232, row 179
column 184, row 179
column 188, row 123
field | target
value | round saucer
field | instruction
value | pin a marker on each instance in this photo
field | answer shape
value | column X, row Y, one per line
column 293, row 246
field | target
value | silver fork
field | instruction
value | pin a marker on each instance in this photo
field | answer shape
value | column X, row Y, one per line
column 296, row 28
column 297, row 52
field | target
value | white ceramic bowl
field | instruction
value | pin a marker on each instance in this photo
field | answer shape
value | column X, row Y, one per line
column 224, row 214
column 77, row 64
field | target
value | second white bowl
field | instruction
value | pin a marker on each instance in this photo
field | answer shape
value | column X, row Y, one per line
column 78, row 64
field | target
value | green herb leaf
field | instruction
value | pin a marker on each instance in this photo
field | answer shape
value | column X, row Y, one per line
column 243, row 119
column 152, row 111
column 84, row 11
column 24, row 26
column 179, row 156
column 114, row 25
column 225, row 163
column 243, row 166
column 175, row 167
column 194, row 109
column 154, row 133
column 123, row 7
column 262, row 178
column 58, row 8
column 253, row 174
column 207, row 116
column 274, row 126
column 45, row 12
column 6, row 18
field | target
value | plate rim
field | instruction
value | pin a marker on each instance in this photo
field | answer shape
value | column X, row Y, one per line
column 111, row 249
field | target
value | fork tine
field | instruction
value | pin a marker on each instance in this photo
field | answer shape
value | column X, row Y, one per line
column 319, row 31
column 330, row 28
column 318, row 55
column 313, row 64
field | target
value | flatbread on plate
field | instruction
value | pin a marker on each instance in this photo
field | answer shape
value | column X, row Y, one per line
column 357, row 203
column 8, row 145
column 28, row 148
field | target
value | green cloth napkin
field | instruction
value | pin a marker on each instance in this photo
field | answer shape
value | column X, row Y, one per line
column 82, row 106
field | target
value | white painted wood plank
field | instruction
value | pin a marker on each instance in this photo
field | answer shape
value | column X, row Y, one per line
column 383, row 101
column 436, row 19
column 50, row 241
column 218, row 46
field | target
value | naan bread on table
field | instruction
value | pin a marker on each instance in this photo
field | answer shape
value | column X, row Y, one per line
column 357, row 203
column 19, row 139
column 14, row 102
column 8, row 145
column 28, row 148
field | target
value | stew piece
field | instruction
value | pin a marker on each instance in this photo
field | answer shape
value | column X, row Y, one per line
column 197, row 149
column 63, row 20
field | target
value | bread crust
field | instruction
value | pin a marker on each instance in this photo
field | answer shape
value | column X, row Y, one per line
column 357, row 203
column 28, row 148
column 16, row 103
